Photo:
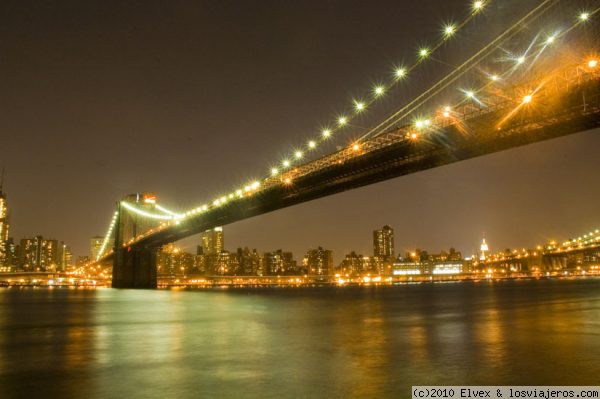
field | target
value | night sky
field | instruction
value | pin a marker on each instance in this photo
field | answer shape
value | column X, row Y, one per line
column 189, row 99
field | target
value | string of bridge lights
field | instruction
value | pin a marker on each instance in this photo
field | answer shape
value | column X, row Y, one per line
column 400, row 73
column 360, row 105
column 378, row 91
column 589, row 238
column 471, row 94
column 111, row 228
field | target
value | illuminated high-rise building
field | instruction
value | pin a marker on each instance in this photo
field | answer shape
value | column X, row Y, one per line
column 319, row 262
column 383, row 243
column 213, row 241
column 38, row 254
column 66, row 258
column 3, row 224
column 279, row 262
column 95, row 246
column 483, row 250
column 172, row 261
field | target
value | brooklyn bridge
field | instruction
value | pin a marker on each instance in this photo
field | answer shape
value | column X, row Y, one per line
column 548, row 90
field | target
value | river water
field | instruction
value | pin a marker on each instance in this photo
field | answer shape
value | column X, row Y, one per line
column 308, row 342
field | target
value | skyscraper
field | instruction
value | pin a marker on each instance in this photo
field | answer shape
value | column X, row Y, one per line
column 3, row 223
column 213, row 241
column 383, row 243
column 484, row 248
column 38, row 254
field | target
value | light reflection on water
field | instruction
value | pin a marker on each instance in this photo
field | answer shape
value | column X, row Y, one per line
column 333, row 342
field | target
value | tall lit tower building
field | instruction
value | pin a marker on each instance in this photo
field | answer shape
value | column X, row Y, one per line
column 383, row 243
column 213, row 241
column 3, row 223
column 483, row 250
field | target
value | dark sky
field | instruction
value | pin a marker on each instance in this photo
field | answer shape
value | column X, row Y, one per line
column 189, row 99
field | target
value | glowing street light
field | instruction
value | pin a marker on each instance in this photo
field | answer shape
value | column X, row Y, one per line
column 478, row 5
column 446, row 112
column 286, row 163
column 521, row 59
column 550, row 39
column 312, row 144
column 494, row 78
column 379, row 90
column 592, row 63
column 584, row 16
column 470, row 94
column 356, row 147
column 360, row 106
column 274, row 171
column 424, row 52
column 298, row 154
column 527, row 99
column 326, row 133
column 342, row 120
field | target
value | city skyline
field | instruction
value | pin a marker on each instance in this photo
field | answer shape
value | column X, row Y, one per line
column 89, row 137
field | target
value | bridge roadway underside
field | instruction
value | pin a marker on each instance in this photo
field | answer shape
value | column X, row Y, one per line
column 401, row 158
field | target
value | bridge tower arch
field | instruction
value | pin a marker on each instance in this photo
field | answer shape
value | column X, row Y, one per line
column 134, row 266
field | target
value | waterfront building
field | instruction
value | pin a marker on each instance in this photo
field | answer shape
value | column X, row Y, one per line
column 421, row 263
column 383, row 250
column 319, row 262
column 221, row 265
column 39, row 254
column 408, row 268
column 212, row 241
column 383, row 243
column 172, row 261
column 66, row 258
column 248, row 261
column 355, row 265
column 4, row 253
column 11, row 259
column 279, row 263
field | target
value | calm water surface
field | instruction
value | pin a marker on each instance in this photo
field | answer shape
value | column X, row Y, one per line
column 331, row 342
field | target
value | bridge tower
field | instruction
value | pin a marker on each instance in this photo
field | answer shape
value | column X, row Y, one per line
column 134, row 267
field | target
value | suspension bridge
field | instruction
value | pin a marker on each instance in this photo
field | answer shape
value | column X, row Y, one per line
column 551, row 89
